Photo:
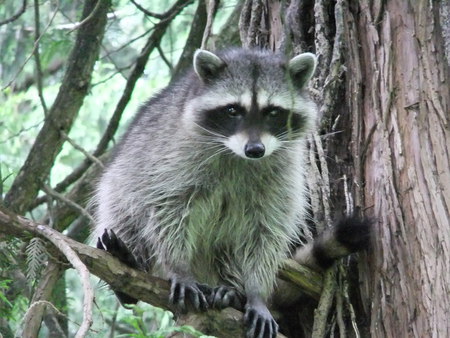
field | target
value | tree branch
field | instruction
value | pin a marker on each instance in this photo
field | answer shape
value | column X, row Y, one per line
column 194, row 39
column 139, row 284
column 229, row 35
column 61, row 115
column 326, row 300
column 35, row 47
column 37, row 56
column 211, row 13
column 15, row 16
column 178, row 6
column 34, row 315
column 138, row 69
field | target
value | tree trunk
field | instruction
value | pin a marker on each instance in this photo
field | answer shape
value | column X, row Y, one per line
column 383, row 89
column 398, row 95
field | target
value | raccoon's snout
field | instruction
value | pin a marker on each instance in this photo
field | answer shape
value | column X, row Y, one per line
column 254, row 150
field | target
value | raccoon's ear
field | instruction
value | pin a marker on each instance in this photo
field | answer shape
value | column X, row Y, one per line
column 207, row 65
column 301, row 69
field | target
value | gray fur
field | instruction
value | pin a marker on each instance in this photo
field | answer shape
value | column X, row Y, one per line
column 186, row 204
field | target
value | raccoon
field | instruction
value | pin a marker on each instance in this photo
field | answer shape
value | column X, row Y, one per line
column 207, row 187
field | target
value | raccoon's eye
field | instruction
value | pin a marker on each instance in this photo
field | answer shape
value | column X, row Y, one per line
column 274, row 112
column 233, row 111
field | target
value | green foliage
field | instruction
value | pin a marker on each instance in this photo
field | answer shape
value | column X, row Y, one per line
column 22, row 116
column 12, row 310
column 146, row 316
column 36, row 258
column 3, row 286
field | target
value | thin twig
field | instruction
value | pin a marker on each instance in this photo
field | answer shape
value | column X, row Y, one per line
column 117, row 68
column 86, row 19
column 168, row 14
column 35, row 46
column 20, row 132
column 62, row 198
column 140, row 36
column 147, row 12
column 136, row 72
column 17, row 15
column 81, row 149
column 43, row 292
column 37, row 57
column 164, row 58
column 109, row 77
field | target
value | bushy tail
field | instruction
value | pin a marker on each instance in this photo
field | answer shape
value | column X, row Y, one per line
column 349, row 235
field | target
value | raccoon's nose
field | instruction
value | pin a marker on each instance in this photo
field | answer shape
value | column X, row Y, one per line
column 254, row 150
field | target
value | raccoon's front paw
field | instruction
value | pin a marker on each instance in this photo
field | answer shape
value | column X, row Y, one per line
column 259, row 322
column 224, row 296
column 116, row 247
column 185, row 288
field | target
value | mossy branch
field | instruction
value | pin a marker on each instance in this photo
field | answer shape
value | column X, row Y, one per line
column 141, row 285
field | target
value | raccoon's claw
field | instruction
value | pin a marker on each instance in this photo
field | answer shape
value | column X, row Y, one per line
column 116, row 247
column 224, row 296
column 181, row 288
column 259, row 322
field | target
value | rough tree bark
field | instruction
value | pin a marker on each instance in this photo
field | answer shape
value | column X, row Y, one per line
column 399, row 100
column 383, row 80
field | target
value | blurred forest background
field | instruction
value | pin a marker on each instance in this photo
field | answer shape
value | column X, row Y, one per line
column 72, row 74
column 34, row 49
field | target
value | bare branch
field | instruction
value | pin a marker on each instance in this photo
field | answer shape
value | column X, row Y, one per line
column 82, row 150
column 35, row 46
column 138, row 69
column 164, row 58
column 17, row 15
column 69, row 202
column 86, row 19
column 194, row 39
column 37, row 57
column 61, row 115
column 129, row 42
column 180, row 4
column 137, row 284
column 229, row 35
column 33, row 317
column 326, row 300
column 212, row 9
column 13, row 224
column 147, row 12
column 58, row 240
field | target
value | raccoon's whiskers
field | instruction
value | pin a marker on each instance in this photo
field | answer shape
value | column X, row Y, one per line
column 220, row 151
column 289, row 136
column 210, row 131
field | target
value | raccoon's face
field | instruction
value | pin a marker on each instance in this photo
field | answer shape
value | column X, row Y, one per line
column 252, row 102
